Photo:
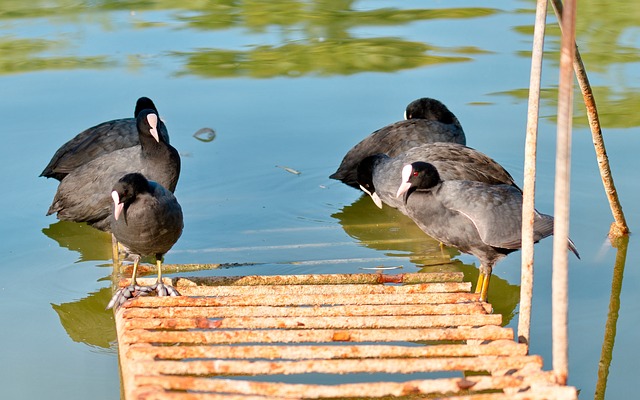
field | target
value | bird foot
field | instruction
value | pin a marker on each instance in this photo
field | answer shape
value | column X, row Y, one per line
column 164, row 290
column 126, row 293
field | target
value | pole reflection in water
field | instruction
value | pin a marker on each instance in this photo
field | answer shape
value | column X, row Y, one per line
column 612, row 318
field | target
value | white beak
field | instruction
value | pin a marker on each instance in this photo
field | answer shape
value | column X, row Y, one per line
column 117, row 210
column 376, row 199
column 153, row 122
column 406, row 174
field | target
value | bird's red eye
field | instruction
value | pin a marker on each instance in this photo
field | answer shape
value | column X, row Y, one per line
column 414, row 173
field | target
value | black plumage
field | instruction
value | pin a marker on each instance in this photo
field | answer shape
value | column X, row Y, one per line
column 83, row 195
column 378, row 174
column 427, row 121
column 147, row 220
column 474, row 217
column 99, row 140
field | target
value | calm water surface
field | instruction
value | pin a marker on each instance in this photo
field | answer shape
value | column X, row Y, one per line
column 295, row 84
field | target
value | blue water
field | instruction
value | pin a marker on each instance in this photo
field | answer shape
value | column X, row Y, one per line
column 295, row 86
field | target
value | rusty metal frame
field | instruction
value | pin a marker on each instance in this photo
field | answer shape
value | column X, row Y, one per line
column 211, row 342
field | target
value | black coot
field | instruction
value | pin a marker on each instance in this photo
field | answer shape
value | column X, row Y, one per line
column 378, row 174
column 474, row 217
column 147, row 220
column 99, row 140
column 83, row 195
column 427, row 121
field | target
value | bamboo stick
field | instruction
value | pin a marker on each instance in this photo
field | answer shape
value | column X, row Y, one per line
column 529, row 187
column 561, row 200
column 619, row 227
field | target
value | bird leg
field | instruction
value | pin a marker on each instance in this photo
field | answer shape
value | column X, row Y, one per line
column 114, row 252
column 160, row 288
column 482, row 286
column 479, row 283
column 131, row 291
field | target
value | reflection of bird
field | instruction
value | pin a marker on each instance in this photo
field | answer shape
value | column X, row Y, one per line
column 147, row 220
column 85, row 321
column 99, row 140
column 81, row 195
column 378, row 174
column 427, row 121
column 89, row 243
column 392, row 233
column 476, row 218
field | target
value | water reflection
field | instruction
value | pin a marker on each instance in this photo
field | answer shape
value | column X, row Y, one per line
column 313, row 38
column 26, row 55
column 602, row 35
column 90, row 243
column 606, row 355
column 397, row 235
column 86, row 320
column 317, row 57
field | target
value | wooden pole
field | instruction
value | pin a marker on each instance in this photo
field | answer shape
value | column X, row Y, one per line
column 560, row 281
column 528, row 208
column 619, row 227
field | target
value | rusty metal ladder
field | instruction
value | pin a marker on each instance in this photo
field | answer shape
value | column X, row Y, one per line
column 370, row 335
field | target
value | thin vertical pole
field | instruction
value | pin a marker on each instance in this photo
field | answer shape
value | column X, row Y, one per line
column 529, row 187
column 560, row 280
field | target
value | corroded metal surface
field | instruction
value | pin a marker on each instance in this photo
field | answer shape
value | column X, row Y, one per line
column 241, row 337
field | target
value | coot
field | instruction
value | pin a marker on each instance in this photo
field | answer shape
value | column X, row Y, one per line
column 99, row 140
column 147, row 220
column 378, row 174
column 474, row 217
column 83, row 195
column 427, row 121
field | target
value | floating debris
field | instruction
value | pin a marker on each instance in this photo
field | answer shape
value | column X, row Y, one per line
column 290, row 170
column 205, row 134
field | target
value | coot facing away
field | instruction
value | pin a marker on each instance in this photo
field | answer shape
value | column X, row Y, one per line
column 99, row 140
column 428, row 121
column 147, row 220
column 474, row 217
column 83, row 195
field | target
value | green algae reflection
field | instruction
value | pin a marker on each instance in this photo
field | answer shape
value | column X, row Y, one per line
column 321, row 57
column 320, row 38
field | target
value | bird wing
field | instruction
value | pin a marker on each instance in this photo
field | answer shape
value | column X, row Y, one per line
column 495, row 210
column 458, row 162
column 94, row 142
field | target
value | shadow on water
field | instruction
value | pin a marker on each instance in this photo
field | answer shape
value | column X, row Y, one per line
column 395, row 234
column 606, row 355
